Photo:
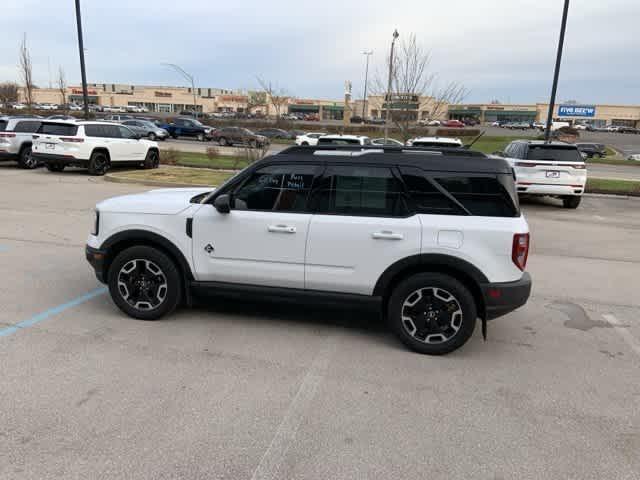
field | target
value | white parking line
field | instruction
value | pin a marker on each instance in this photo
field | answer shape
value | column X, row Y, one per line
column 623, row 332
column 286, row 433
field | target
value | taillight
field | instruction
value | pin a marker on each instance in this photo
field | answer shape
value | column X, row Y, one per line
column 579, row 167
column 72, row 139
column 520, row 250
column 7, row 135
column 524, row 164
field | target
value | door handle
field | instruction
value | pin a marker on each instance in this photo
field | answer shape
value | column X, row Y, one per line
column 281, row 229
column 387, row 235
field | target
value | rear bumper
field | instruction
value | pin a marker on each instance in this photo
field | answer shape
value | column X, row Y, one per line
column 549, row 189
column 502, row 298
column 48, row 158
column 96, row 258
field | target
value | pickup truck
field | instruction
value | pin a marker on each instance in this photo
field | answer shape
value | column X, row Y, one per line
column 188, row 127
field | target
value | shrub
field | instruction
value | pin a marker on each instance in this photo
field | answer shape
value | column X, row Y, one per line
column 170, row 156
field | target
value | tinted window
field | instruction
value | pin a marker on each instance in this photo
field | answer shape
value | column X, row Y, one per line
column 486, row 196
column 338, row 141
column 282, row 188
column 424, row 196
column 26, row 126
column 435, row 144
column 125, row 132
column 3, row 125
column 554, row 153
column 95, row 131
column 360, row 191
column 58, row 129
column 130, row 122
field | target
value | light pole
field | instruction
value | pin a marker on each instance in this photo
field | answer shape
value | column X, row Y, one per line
column 389, row 84
column 366, row 78
column 83, row 73
column 179, row 69
column 556, row 73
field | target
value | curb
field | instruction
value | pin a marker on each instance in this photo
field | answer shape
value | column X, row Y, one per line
column 152, row 183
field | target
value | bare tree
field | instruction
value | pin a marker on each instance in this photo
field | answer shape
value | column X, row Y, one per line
column 26, row 71
column 414, row 88
column 62, row 85
column 255, row 100
column 277, row 97
column 8, row 92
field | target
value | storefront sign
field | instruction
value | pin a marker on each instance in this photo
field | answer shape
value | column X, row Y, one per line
column 78, row 91
column 163, row 94
column 576, row 111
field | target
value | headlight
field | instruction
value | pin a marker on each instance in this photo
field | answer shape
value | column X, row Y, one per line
column 96, row 224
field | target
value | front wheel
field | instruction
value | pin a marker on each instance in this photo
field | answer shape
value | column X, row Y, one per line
column 432, row 313
column 200, row 137
column 144, row 283
column 152, row 160
column 571, row 201
column 26, row 160
column 222, row 142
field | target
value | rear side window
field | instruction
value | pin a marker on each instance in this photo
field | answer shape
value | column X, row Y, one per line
column 3, row 125
column 281, row 188
column 27, row 126
column 486, row 196
column 554, row 153
column 58, row 129
column 360, row 191
column 95, row 131
column 425, row 197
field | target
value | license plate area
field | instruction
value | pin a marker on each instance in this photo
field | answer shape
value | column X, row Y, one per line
column 553, row 174
column 49, row 146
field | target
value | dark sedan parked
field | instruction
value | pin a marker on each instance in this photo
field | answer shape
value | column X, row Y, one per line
column 592, row 149
column 275, row 133
column 238, row 136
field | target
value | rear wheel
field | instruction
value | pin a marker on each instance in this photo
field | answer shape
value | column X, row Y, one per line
column 571, row 201
column 55, row 167
column 432, row 313
column 152, row 136
column 152, row 159
column 222, row 142
column 144, row 283
column 25, row 159
column 98, row 163
column 253, row 144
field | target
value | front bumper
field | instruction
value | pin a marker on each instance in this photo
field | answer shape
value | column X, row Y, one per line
column 502, row 298
column 96, row 259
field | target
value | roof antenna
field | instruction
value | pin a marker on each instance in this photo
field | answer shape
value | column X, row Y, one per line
column 475, row 140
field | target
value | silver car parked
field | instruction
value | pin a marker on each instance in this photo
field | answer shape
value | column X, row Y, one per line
column 145, row 128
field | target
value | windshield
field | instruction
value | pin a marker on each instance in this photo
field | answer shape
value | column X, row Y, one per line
column 246, row 131
column 554, row 153
column 198, row 123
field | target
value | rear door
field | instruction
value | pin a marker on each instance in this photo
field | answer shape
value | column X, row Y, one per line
column 361, row 225
column 551, row 164
column 55, row 138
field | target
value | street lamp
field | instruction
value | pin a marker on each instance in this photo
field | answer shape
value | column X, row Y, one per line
column 179, row 69
column 556, row 73
column 366, row 77
column 389, row 84
column 83, row 73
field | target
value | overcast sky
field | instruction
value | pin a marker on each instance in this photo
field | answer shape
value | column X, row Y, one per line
column 499, row 49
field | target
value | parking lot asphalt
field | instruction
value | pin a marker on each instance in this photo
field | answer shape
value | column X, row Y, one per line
column 236, row 389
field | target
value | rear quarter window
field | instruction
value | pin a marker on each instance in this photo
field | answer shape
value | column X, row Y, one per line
column 483, row 195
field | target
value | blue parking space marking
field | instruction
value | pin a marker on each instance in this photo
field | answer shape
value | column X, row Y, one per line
column 52, row 311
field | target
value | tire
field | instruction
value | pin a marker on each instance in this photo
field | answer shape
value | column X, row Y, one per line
column 222, row 142
column 144, row 283
column 152, row 160
column 571, row 201
column 98, row 163
column 253, row 144
column 174, row 136
column 449, row 317
column 305, row 144
column 54, row 167
column 200, row 137
column 25, row 158
column 152, row 137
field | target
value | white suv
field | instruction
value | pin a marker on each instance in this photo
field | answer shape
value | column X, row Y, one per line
column 92, row 145
column 436, row 239
column 444, row 142
column 554, row 169
column 16, row 139
column 345, row 140
column 310, row 138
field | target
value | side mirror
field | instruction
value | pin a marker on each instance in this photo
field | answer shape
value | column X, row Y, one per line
column 222, row 203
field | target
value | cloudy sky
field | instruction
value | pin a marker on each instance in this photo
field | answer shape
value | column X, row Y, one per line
column 499, row 49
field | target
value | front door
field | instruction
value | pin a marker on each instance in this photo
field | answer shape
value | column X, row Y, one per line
column 262, row 240
column 361, row 227
column 133, row 148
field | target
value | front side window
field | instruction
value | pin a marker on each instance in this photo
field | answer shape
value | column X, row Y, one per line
column 282, row 188
column 360, row 191
column 125, row 132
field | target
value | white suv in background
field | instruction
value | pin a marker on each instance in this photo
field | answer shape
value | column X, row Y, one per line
column 16, row 139
column 345, row 140
column 92, row 145
column 435, row 239
column 443, row 142
column 555, row 169
column 309, row 138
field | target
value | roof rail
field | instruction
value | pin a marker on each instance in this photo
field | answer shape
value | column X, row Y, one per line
column 361, row 149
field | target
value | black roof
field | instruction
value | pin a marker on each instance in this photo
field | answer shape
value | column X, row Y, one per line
column 426, row 158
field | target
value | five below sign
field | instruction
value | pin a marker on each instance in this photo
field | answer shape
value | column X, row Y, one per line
column 576, row 111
